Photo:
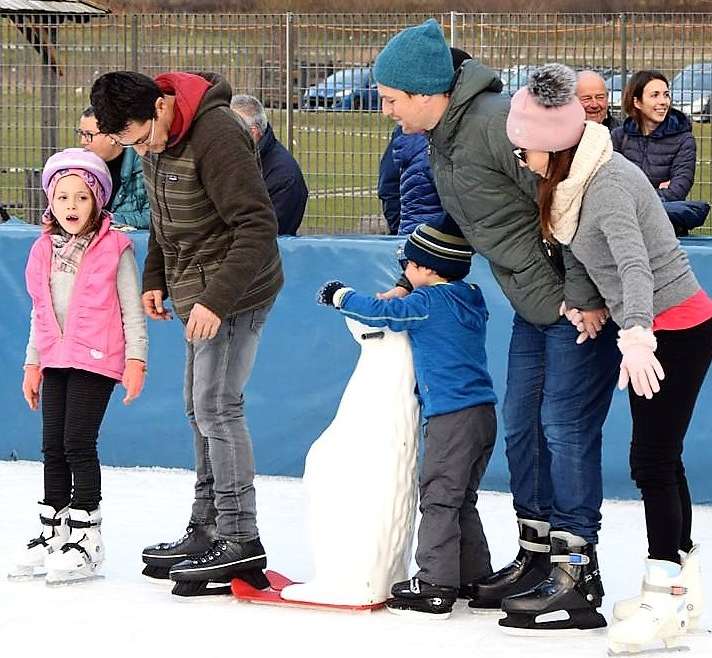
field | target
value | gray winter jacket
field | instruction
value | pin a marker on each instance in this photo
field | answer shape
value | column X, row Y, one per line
column 493, row 200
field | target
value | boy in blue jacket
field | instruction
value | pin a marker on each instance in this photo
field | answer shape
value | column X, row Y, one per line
column 446, row 321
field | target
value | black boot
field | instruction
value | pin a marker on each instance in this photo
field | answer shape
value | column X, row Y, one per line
column 159, row 558
column 416, row 597
column 530, row 567
column 570, row 594
column 224, row 561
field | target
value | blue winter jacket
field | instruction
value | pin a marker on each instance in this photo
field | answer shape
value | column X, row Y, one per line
column 130, row 204
column 284, row 181
column 447, row 328
column 389, row 186
column 669, row 153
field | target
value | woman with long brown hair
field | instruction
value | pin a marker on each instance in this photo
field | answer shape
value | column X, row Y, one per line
column 602, row 207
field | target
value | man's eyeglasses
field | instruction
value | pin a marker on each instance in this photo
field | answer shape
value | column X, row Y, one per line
column 147, row 140
column 520, row 154
column 85, row 134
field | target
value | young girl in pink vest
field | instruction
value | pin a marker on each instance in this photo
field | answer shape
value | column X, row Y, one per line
column 87, row 332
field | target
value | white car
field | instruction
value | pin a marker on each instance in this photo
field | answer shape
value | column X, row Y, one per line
column 691, row 91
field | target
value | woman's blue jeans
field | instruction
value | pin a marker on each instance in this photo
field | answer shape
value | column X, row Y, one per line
column 558, row 395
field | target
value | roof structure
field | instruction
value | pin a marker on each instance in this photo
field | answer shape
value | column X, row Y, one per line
column 52, row 7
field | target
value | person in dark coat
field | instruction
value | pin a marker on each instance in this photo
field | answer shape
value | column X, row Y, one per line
column 405, row 182
column 659, row 139
column 282, row 175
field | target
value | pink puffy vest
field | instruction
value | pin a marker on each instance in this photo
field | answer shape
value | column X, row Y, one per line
column 93, row 337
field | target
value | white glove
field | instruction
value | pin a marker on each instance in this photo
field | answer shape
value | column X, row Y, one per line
column 639, row 365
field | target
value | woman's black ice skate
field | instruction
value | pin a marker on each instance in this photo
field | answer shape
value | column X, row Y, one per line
column 566, row 600
column 159, row 558
column 416, row 597
column 529, row 568
column 224, row 561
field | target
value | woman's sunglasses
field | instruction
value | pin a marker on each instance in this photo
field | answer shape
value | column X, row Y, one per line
column 520, row 154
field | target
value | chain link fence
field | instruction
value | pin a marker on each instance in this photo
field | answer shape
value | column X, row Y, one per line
column 49, row 61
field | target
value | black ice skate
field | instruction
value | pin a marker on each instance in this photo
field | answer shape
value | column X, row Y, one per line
column 159, row 558
column 530, row 567
column 566, row 600
column 222, row 562
column 416, row 597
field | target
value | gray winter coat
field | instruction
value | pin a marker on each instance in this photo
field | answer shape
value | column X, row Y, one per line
column 493, row 200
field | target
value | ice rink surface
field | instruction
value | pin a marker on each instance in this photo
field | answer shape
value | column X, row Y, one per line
column 131, row 616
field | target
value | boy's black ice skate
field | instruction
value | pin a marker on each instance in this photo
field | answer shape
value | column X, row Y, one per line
column 222, row 562
column 567, row 599
column 529, row 568
column 159, row 558
column 416, row 597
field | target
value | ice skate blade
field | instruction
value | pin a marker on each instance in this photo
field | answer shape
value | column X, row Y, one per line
column 85, row 578
column 486, row 612
column 18, row 577
column 618, row 649
column 419, row 614
column 156, row 573
column 193, row 588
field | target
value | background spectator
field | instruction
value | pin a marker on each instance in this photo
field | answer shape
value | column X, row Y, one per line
column 592, row 92
column 129, row 201
column 282, row 175
column 659, row 139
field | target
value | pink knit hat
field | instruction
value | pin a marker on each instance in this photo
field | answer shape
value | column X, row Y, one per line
column 546, row 115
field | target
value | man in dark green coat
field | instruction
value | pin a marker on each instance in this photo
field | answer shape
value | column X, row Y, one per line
column 558, row 391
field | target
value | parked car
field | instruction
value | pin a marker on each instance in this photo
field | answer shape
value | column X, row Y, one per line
column 516, row 77
column 615, row 86
column 691, row 91
column 348, row 89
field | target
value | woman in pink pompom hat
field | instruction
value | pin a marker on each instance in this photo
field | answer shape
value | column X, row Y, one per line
column 604, row 209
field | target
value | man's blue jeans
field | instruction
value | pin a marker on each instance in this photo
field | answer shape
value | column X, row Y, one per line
column 216, row 372
column 558, row 395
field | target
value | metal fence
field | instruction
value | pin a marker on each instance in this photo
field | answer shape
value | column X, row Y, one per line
column 48, row 63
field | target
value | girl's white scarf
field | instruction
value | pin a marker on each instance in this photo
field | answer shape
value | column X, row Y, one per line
column 594, row 150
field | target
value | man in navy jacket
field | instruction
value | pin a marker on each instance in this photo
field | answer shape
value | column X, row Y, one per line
column 282, row 175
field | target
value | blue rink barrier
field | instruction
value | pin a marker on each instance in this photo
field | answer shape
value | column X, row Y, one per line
column 305, row 359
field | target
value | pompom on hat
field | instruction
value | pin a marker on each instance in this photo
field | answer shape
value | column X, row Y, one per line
column 546, row 115
column 416, row 60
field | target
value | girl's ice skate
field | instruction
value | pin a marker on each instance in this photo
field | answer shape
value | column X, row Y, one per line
column 30, row 561
column 660, row 617
column 691, row 579
column 81, row 554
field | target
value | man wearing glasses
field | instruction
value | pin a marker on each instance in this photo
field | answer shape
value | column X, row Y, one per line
column 129, row 202
column 212, row 250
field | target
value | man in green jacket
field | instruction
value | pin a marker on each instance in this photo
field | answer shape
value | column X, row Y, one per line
column 558, row 391
column 129, row 202
column 213, row 251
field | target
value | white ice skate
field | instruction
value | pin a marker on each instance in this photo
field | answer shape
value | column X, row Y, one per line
column 661, row 616
column 30, row 561
column 82, row 553
column 691, row 579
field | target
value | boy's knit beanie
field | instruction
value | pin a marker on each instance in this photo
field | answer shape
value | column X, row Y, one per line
column 416, row 60
column 546, row 115
column 449, row 255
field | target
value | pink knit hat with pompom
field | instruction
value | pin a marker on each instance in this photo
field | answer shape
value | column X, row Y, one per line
column 546, row 115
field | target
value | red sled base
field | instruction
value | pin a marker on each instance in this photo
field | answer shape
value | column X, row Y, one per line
column 271, row 596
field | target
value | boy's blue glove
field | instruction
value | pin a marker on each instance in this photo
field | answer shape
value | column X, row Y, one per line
column 330, row 293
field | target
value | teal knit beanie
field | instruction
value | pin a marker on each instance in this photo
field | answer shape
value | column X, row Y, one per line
column 416, row 60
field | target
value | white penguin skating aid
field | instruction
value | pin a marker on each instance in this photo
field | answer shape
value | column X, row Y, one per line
column 83, row 552
column 31, row 560
column 360, row 478
column 661, row 617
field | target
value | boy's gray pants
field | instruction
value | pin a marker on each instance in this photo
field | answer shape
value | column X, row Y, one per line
column 452, row 548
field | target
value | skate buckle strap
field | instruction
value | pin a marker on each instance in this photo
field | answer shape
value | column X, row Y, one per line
column 534, row 547
column 674, row 590
column 44, row 520
column 40, row 541
column 577, row 559
column 73, row 523
column 72, row 545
